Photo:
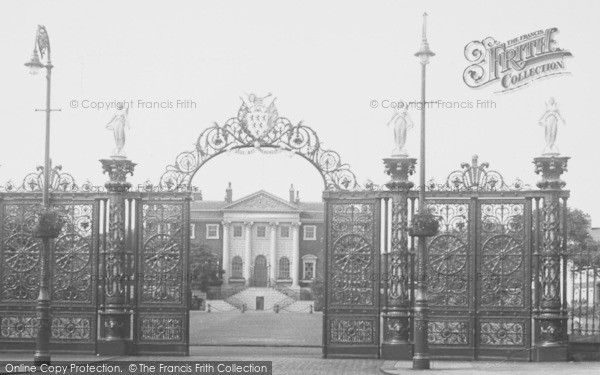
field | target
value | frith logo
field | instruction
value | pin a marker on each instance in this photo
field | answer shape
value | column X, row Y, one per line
column 515, row 63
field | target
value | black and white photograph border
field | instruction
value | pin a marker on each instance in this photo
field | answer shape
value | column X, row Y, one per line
column 286, row 187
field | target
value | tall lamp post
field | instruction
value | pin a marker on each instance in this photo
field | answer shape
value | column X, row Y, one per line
column 49, row 223
column 423, row 225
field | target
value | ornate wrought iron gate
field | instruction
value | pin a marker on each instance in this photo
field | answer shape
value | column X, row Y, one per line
column 480, row 283
column 351, row 319
column 151, row 275
column 162, row 299
column 73, row 268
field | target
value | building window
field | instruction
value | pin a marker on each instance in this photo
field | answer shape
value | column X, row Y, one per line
column 309, row 271
column 192, row 231
column 309, row 264
column 310, row 232
column 237, row 231
column 212, row 231
column 236, row 268
column 261, row 231
column 284, row 268
column 284, row 231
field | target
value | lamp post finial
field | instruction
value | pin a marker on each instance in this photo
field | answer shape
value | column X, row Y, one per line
column 425, row 26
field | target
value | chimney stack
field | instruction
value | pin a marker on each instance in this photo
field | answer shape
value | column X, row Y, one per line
column 228, row 194
column 292, row 193
column 297, row 197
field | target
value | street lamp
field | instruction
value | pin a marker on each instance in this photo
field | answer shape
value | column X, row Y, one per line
column 49, row 223
column 424, row 225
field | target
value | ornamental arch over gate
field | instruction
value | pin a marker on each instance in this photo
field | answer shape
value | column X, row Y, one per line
column 259, row 126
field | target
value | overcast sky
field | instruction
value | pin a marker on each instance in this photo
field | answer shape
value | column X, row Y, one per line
column 325, row 61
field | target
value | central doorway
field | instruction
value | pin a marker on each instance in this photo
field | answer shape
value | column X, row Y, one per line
column 260, row 272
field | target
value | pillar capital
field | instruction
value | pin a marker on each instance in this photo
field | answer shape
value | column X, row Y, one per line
column 296, row 225
column 551, row 168
column 225, row 223
column 117, row 170
column 248, row 224
column 399, row 169
column 274, row 224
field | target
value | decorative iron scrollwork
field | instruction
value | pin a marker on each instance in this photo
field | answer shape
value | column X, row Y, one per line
column 73, row 254
column 448, row 333
column 352, row 257
column 20, row 268
column 72, row 328
column 21, row 252
column 501, row 333
column 352, row 253
column 19, row 327
column 502, row 254
column 501, row 239
column 448, row 254
column 34, row 182
column 161, row 329
column 162, row 253
column 351, row 331
column 475, row 177
column 259, row 127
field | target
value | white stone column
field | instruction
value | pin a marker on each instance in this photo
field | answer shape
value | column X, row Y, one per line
column 248, row 251
column 273, row 253
column 226, row 255
column 295, row 269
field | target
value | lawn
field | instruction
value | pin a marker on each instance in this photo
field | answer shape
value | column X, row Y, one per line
column 260, row 329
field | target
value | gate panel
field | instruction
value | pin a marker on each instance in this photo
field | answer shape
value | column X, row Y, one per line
column 503, row 297
column 162, row 322
column 480, row 275
column 73, row 272
column 352, row 278
column 451, row 281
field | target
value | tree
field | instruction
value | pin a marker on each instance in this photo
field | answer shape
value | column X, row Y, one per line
column 578, row 229
column 205, row 268
column 581, row 247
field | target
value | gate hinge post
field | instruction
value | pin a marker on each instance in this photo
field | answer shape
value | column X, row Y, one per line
column 396, row 268
column 115, row 264
column 550, row 320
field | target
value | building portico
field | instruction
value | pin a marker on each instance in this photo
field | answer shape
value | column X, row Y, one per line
column 265, row 240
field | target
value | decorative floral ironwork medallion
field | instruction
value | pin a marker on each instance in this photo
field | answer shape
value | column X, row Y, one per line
column 162, row 253
column 352, row 253
column 351, row 331
column 72, row 252
column 22, row 252
column 501, row 333
column 502, row 254
column 448, row 333
column 447, row 254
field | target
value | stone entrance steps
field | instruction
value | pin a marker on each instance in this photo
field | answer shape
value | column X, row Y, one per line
column 271, row 297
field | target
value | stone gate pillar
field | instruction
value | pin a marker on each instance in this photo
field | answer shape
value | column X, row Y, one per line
column 114, row 263
column 396, row 311
column 550, row 320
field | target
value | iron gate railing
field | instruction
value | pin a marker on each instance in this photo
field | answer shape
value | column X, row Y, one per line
column 352, row 288
column 583, row 267
column 73, row 271
column 155, row 275
column 161, row 324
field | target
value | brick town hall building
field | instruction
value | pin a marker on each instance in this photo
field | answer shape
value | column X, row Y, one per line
column 263, row 240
